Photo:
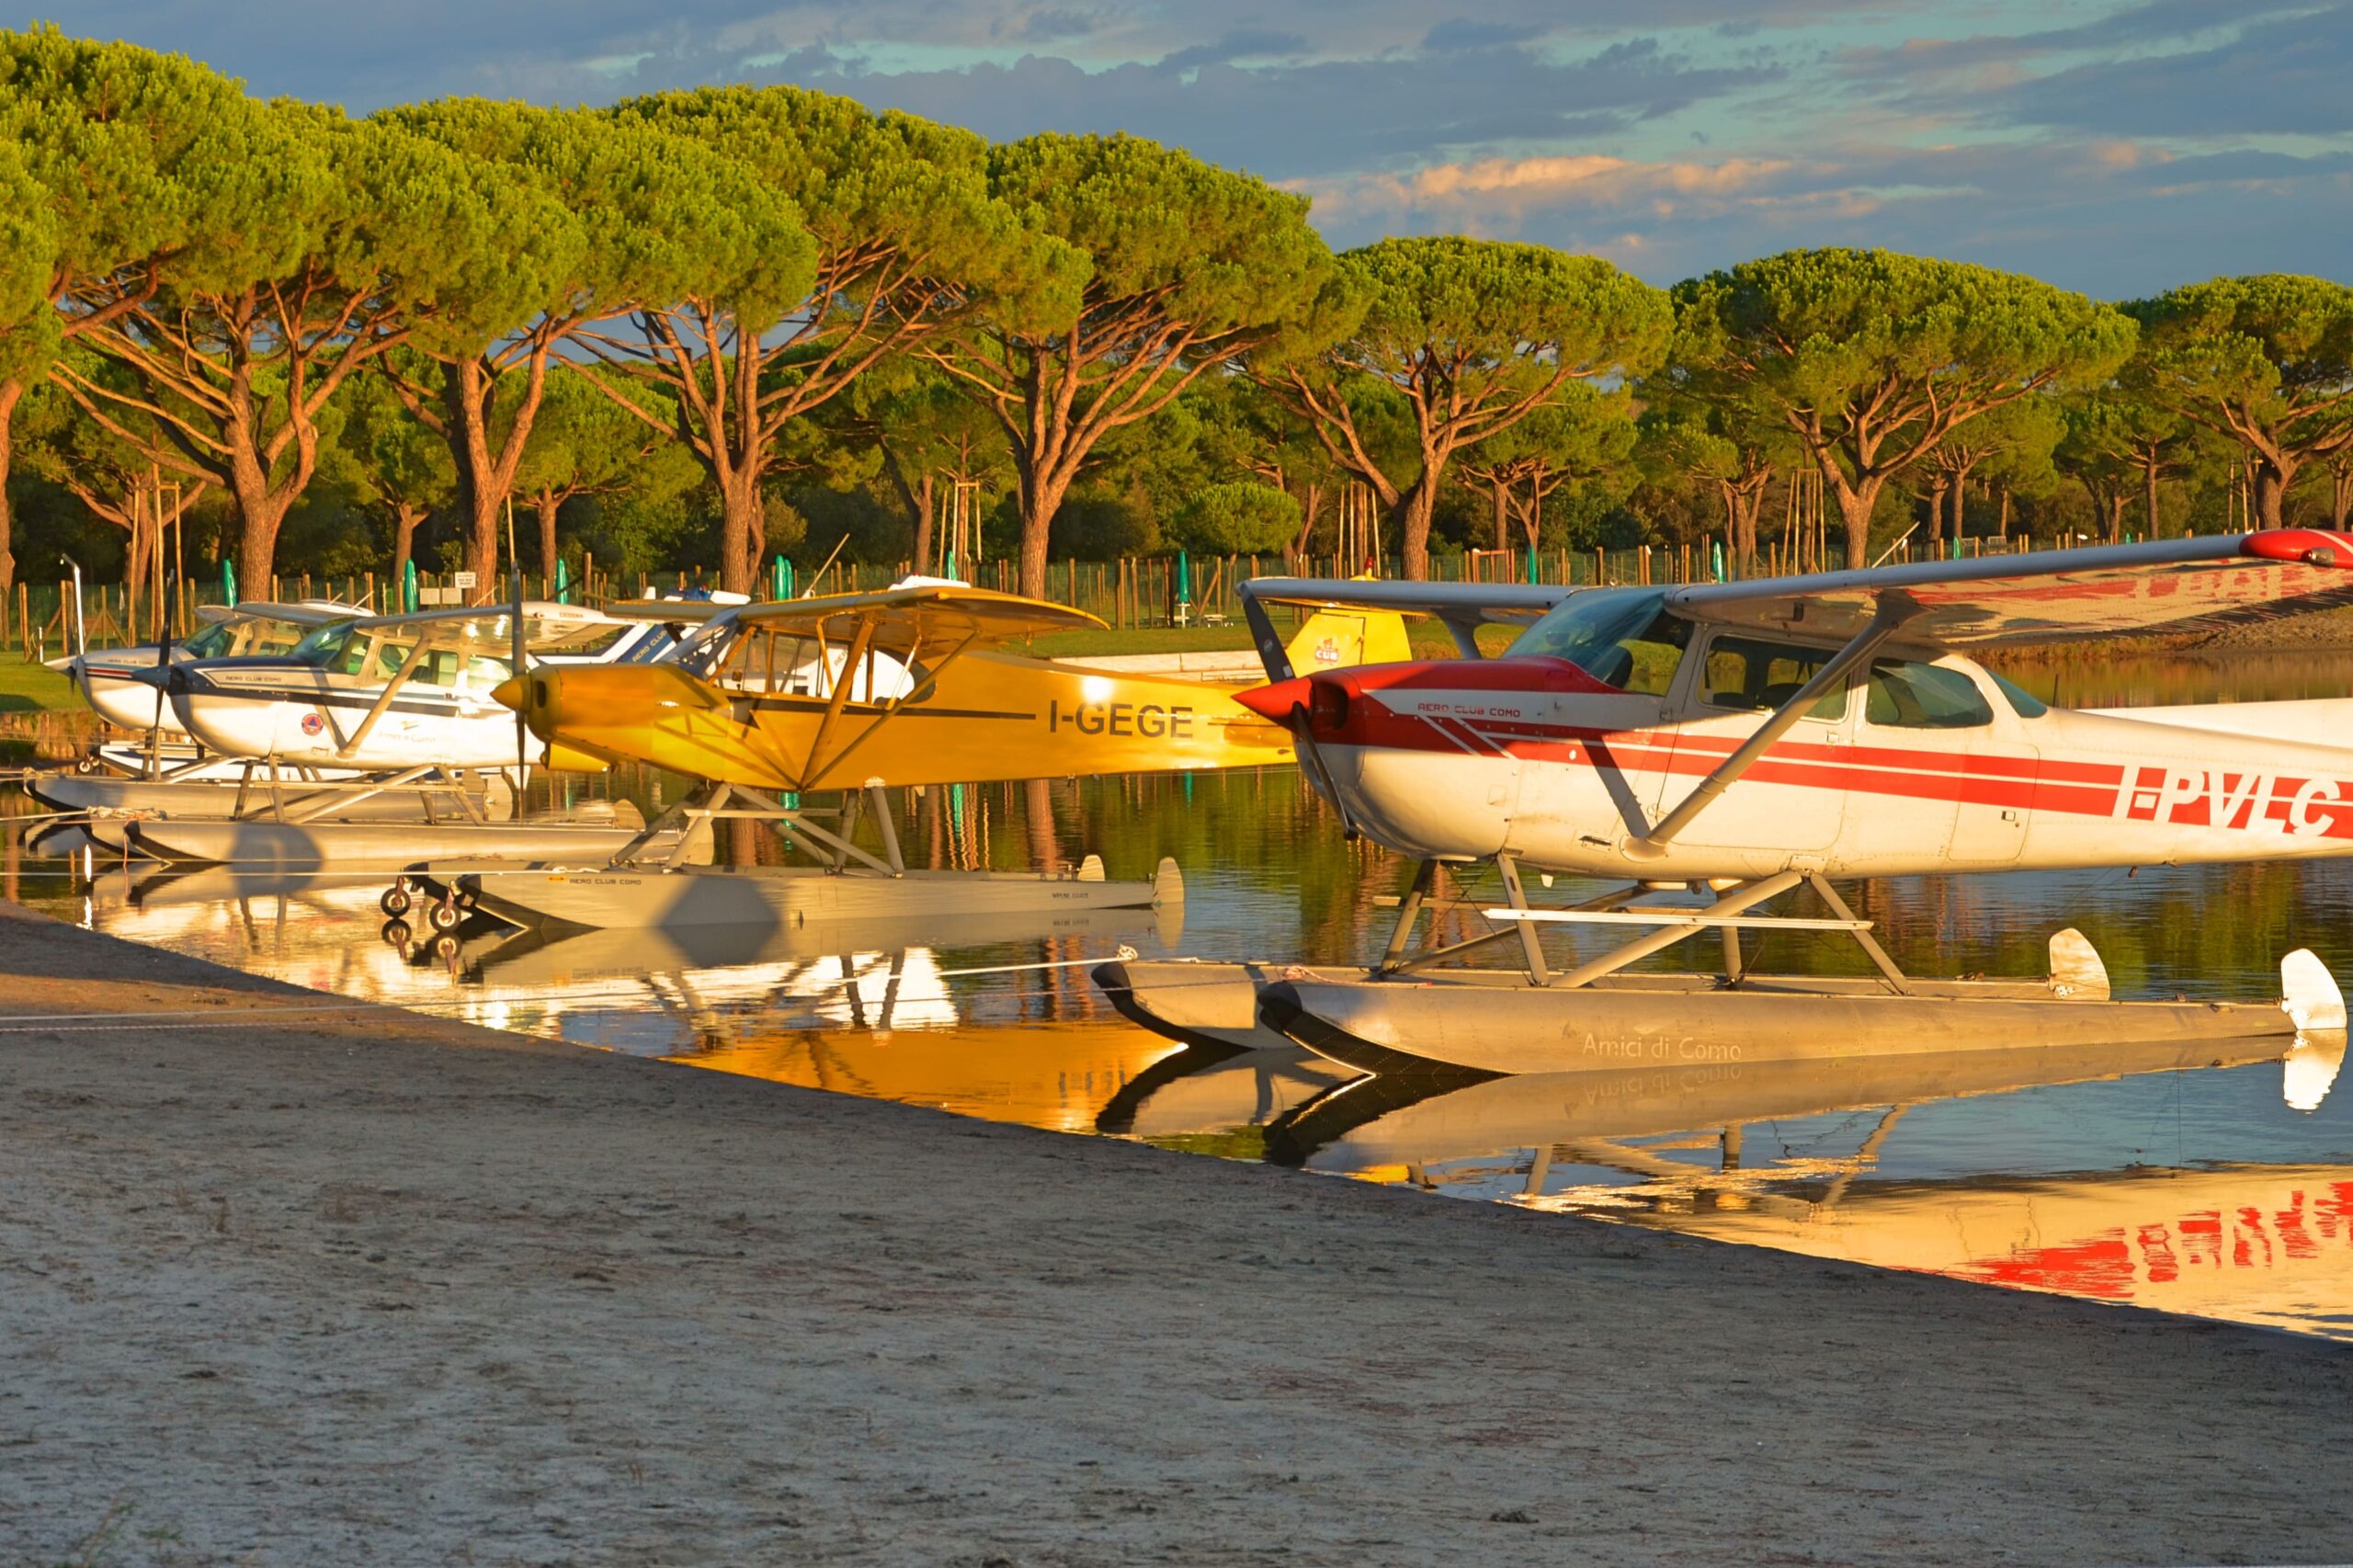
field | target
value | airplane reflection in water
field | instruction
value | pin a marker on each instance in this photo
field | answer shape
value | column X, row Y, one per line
column 1679, row 1149
column 650, row 992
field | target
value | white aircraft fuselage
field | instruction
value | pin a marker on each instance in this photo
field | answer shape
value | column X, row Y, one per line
column 353, row 698
column 1922, row 763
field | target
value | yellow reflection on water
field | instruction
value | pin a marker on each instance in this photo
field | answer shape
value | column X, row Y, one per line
column 1058, row 1076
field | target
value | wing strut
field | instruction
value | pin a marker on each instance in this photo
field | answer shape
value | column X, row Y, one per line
column 1893, row 612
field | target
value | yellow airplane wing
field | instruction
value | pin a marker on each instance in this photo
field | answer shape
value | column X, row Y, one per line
column 929, row 615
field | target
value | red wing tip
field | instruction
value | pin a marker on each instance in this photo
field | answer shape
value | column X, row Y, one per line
column 2314, row 546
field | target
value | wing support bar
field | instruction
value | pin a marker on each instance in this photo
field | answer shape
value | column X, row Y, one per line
column 1893, row 612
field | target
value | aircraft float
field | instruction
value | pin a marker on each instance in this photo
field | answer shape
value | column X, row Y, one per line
column 1711, row 747
column 854, row 694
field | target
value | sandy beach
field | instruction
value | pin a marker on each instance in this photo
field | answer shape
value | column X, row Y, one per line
column 284, row 1281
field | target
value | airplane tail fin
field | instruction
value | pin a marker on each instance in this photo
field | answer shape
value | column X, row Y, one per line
column 1337, row 637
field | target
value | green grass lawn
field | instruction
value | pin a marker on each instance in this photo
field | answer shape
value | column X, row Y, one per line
column 29, row 688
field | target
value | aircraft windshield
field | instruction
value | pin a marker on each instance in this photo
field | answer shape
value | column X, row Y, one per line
column 323, row 647
column 1627, row 639
column 209, row 644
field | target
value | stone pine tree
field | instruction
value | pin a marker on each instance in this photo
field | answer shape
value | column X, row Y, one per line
column 633, row 219
column 118, row 165
column 1873, row 359
column 358, row 237
column 2264, row 362
column 1474, row 336
column 1180, row 266
column 904, row 241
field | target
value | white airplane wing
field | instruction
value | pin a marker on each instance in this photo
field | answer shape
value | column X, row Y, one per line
column 2058, row 596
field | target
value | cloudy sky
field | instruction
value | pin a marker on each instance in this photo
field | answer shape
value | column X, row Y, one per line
column 2112, row 147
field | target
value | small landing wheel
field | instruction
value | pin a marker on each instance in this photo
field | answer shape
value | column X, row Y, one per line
column 444, row 917
column 445, row 947
column 396, row 933
column 395, row 901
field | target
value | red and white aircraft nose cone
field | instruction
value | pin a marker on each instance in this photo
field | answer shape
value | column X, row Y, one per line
column 1274, row 702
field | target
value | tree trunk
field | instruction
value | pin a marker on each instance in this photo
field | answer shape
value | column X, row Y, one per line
column 2149, row 478
column 257, row 544
column 1855, row 504
column 2273, row 477
column 1937, row 511
column 739, row 531
column 1959, row 507
column 464, row 394
column 547, row 503
column 11, row 390
column 486, row 477
column 404, row 520
column 1746, row 504
column 1502, row 512
column 259, row 512
column 1411, row 521
column 1310, row 506
column 1042, row 497
column 924, row 501
column 2341, row 495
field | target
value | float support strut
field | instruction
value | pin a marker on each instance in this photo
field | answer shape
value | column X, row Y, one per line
column 1731, row 902
column 1821, row 885
column 1531, row 945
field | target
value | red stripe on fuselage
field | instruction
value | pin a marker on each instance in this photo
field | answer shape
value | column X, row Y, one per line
column 2247, row 800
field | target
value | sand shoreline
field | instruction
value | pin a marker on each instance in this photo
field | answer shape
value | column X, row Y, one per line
column 282, row 1285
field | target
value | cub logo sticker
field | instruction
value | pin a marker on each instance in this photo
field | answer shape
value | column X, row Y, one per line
column 312, row 724
column 1328, row 650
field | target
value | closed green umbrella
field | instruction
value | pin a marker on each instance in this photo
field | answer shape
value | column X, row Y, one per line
column 562, row 582
column 408, row 588
column 1184, row 578
column 228, row 583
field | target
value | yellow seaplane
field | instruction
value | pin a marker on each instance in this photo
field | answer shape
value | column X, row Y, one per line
column 915, row 684
column 912, row 685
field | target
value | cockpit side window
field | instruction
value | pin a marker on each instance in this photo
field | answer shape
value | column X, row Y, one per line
column 1750, row 674
column 1627, row 640
column 211, row 642
column 1902, row 695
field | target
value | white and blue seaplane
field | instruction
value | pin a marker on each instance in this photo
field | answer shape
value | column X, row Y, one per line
column 1711, row 747
column 376, row 740
column 111, row 680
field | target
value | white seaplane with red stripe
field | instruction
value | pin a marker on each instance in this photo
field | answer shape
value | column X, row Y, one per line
column 1738, row 741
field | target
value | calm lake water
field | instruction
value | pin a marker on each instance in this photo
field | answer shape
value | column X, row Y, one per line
column 2190, row 1187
